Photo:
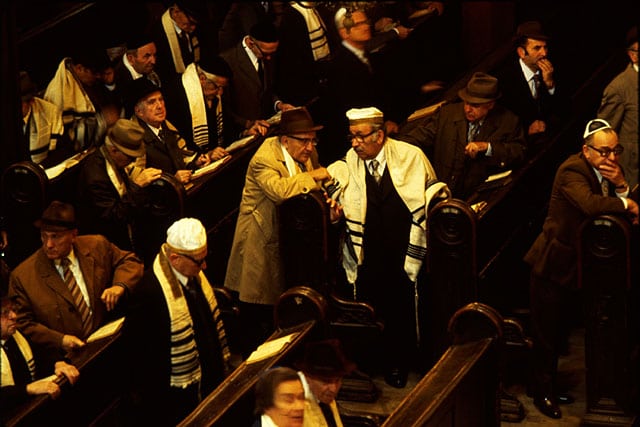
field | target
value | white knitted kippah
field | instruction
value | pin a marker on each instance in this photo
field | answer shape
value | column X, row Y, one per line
column 366, row 114
column 187, row 234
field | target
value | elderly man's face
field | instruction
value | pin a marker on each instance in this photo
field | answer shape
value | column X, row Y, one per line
column 288, row 404
column 144, row 60
column 300, row 145
column 212, row 85
column 602, row 141
column 325, row 389
column 361, row 29
column 57, row 244
column 474, row 112
column 190, row 265
column 366, row 141
column 183, row 20
column 152, row 110
column 8, row 318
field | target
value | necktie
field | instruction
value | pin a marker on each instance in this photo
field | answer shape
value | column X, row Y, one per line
column 374, row 170
column 302, row 167
column 472, row 132
column 605, row 187
column 260, row 71
column 219, row 122
column 76, row 295
column 537, row 85
column 328, row 414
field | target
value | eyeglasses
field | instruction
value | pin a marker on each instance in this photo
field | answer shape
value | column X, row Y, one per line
column 214, row 85
column 305, row 141
column 359, row 23
column 195, row 261
column 606, row 151
column 360, row 138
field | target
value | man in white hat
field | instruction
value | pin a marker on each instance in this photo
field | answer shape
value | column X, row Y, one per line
column 110, row 202
column 385, row 187
column 284, row 166
column 587, row 184
column 176, row 330
column 471, row 139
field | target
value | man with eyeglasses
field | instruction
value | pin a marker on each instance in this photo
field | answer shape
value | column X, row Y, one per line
column 385, row 187
column 174, row 330
column 111, row 202
column 619, row 106
column 587, row 184
column 284, row 166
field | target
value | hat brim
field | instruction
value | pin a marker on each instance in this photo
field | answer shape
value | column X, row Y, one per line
column 464, row 95
column 54, row 226
column 129, row 152
column 303, row 130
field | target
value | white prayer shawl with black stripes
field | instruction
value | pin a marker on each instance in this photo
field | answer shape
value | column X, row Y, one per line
column 195, row 98
column 415, row 181
column 169, row 28
column 316, row 29
column 6, row 378
column 185, row 362
column 46, row 127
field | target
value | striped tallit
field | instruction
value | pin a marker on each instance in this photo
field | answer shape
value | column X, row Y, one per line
column 6, row 378
column 195, row 98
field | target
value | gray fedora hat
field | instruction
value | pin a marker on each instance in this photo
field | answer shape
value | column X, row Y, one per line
column 480, row 89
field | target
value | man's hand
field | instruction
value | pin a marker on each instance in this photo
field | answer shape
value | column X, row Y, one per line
column 71, row 342
column 218, row 153
column 69, row 371
column 634, row 213
column 183, row 175
column 546, row 68
column 473, row 148
column 612, row 171
column 203, row 160
column 335, row 208
column 110, row 296
column 147, row 176
column 44, row 386
column 537, row 126
column 320, row 174
column 257, row 127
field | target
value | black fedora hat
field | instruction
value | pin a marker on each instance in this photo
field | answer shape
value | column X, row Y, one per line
column 58, row 216
column 325, row 359
column 297, row 120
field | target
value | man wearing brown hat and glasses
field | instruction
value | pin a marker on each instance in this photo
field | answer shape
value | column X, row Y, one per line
column 469, row 140
column 110, row 202
column 283, row 167
column 71, row 285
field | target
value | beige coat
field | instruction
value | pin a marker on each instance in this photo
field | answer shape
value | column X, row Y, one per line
column 255, row 267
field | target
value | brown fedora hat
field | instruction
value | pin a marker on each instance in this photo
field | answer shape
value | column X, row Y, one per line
column 297, row 120
column 480, row 89
column 325, row 359
column 58, row 216
column 127, row 136
column 531, row 30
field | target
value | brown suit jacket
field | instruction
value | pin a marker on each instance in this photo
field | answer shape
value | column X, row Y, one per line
column 46, row 310
column 576, row 196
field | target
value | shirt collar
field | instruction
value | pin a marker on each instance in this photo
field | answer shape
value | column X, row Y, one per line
column 252, row 56
column 528, row 73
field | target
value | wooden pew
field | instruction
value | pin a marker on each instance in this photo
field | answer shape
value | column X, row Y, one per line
column 301, row 312
column 462, row 389
column 611, row 322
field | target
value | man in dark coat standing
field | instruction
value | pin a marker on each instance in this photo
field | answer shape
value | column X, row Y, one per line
column 587, row 184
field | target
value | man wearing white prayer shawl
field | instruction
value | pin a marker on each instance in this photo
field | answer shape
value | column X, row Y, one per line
column 385, row 187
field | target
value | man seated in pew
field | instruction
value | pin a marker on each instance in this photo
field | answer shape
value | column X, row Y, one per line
column 321, row 371
column 165, row 148
column 471, row 139
column 385, row 187
column 110, row 202
column 175, row 330
column 76, row 91
column 72, row 285
column 201, row 111
column 280, row 399
column 43, row 138
column 21, row 372
column 529, row 85
column 587, row 184
column 284, row 166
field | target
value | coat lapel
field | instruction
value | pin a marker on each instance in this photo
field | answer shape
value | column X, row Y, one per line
column 51, row 278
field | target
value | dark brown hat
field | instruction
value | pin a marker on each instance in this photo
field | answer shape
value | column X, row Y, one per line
column 531, row 30
column 27, row 87
column 127, row 136
column 325, row 359
column 481, row 88
column 58, row 216
column 297, row 120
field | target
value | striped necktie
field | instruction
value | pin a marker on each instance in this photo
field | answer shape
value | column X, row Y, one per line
column 374, row 170
column 76, row 295
column 605, row 187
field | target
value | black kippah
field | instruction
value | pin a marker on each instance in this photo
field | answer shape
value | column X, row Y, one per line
column 138, row 40
column 264, row 31
column 213, row 64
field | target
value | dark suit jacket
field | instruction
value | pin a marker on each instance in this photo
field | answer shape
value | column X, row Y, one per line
column 443, row 137
column 250, row 99
column 517, row 97
column 46, row 310
column 168, row 156
column 576, row 195
column 101, row 210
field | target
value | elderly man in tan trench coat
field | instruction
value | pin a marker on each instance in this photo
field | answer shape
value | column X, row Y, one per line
column 283, row 167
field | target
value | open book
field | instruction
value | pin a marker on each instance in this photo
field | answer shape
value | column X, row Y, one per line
column 107, row 330
column 270, row 348
column 210, row 167
column 240, row 143
column 56, row 170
